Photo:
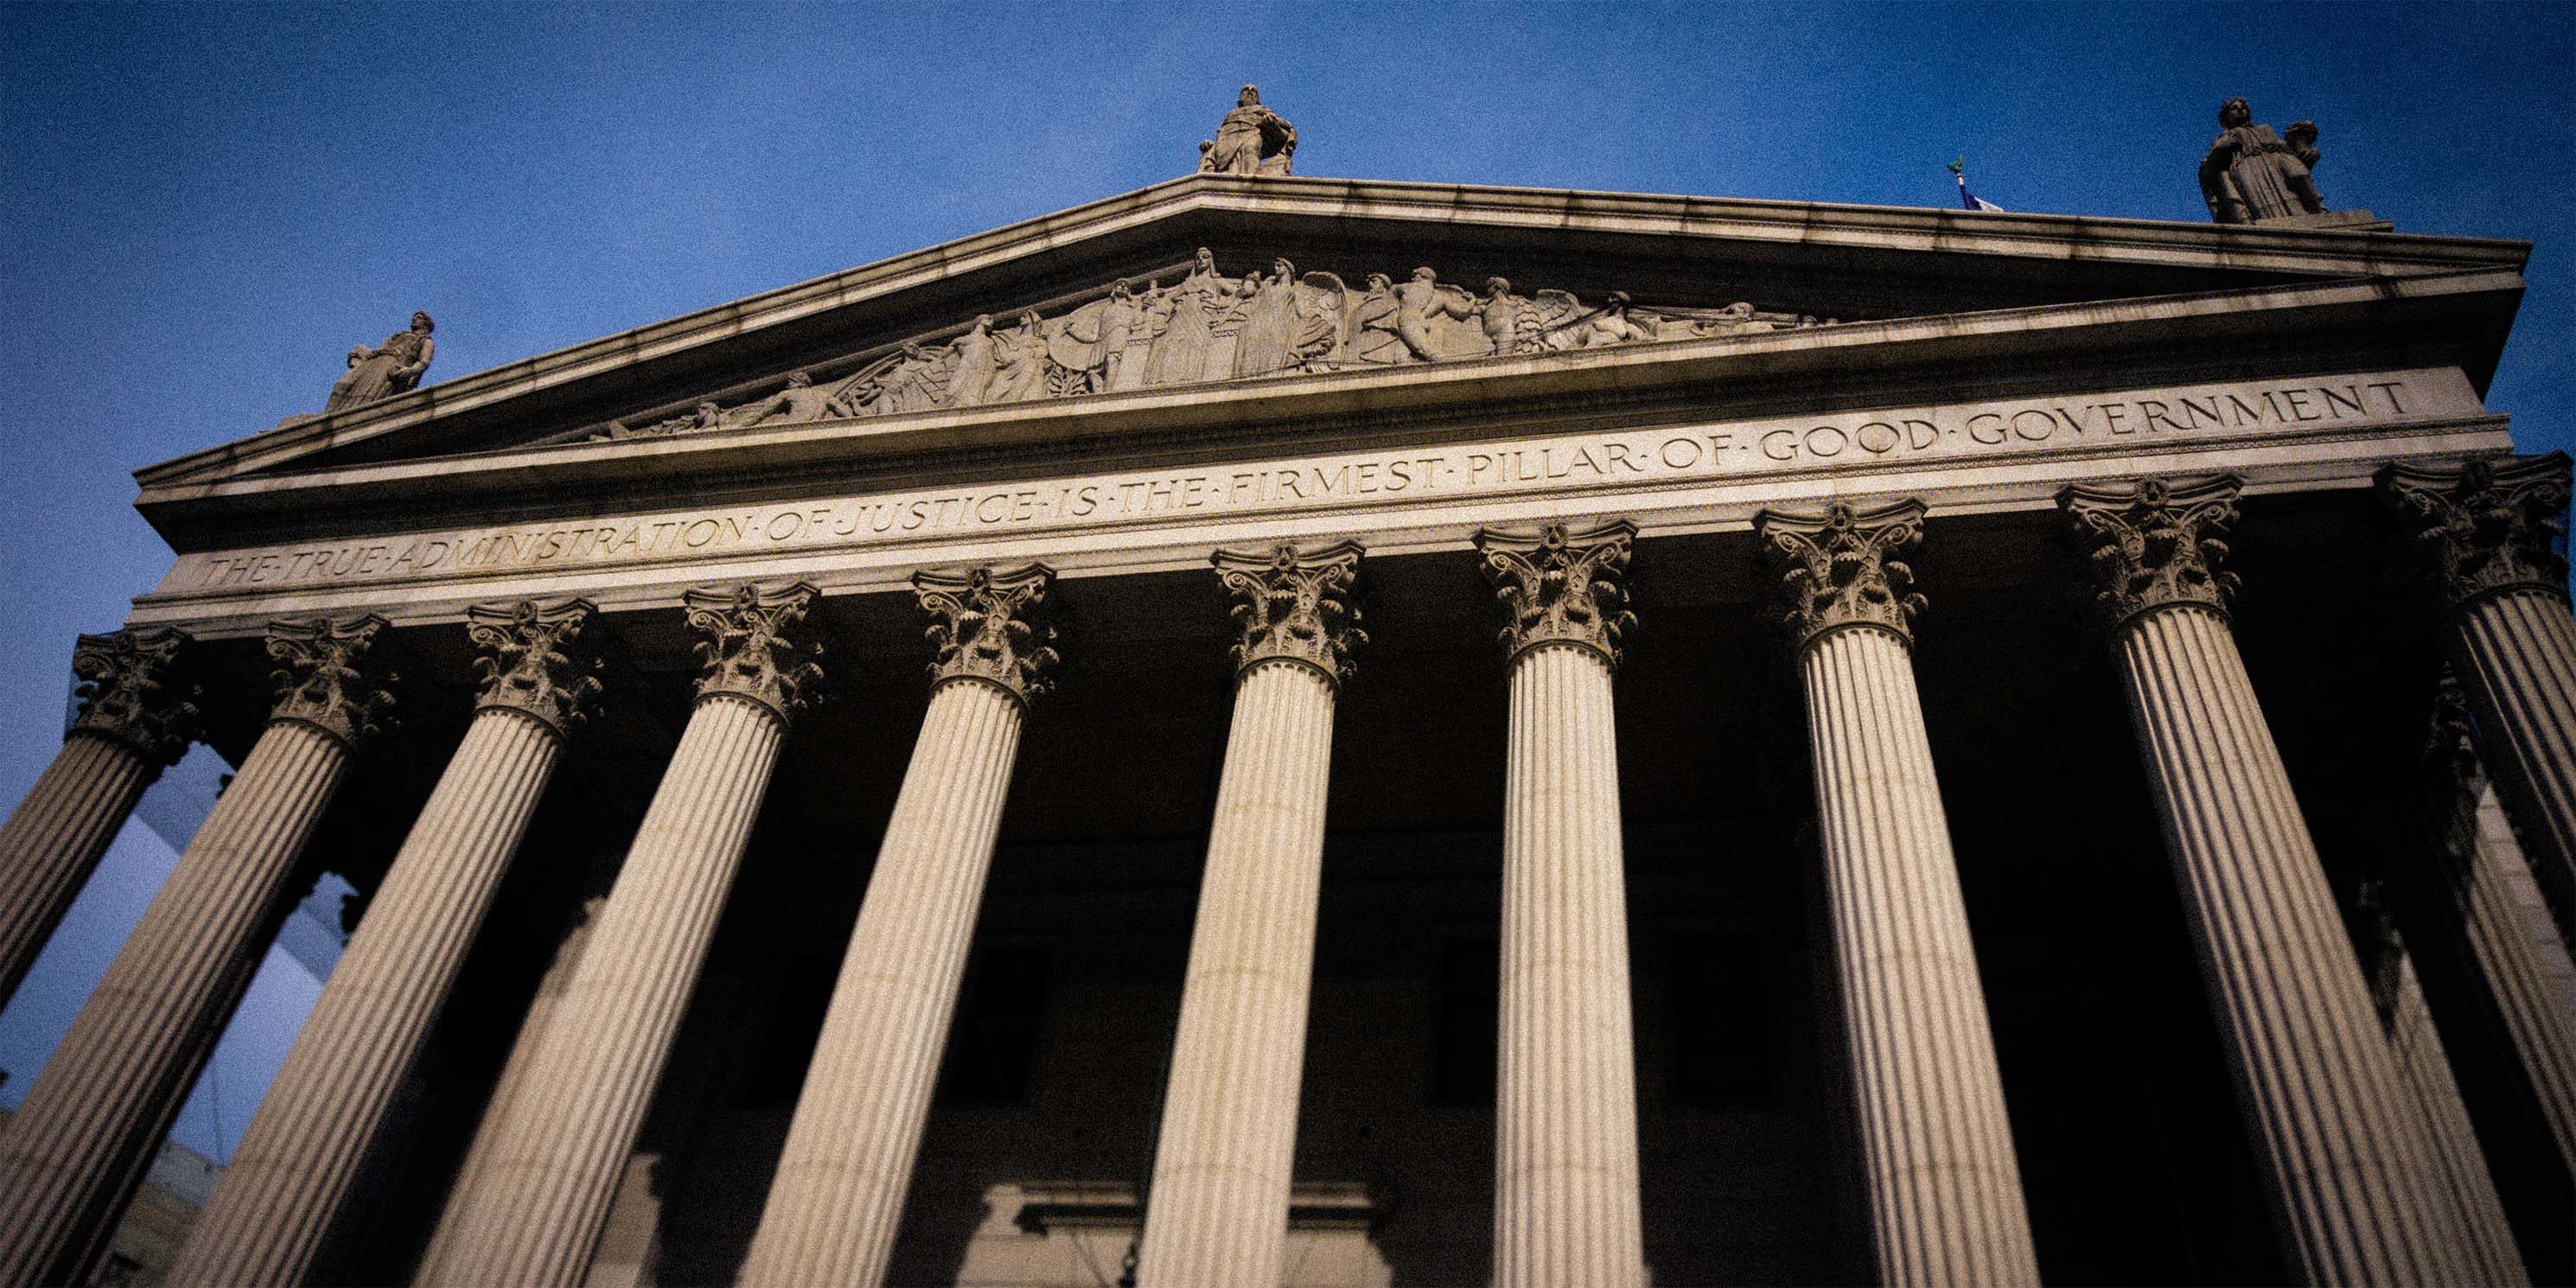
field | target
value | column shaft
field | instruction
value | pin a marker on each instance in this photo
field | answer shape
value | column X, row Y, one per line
column 292, row 1170
column 1565, row 1185
column 2427, row 1069
column 832, row 1209
column 472, row 1172
column 134, row 715
column 1218, row 1210
column 97, row 1111
column 2515, row 653
column 2345, row 1148
column 554, row 1166
column 2501, row 861
column 1944, row 1188
column 2484, row 964
column 54, row 840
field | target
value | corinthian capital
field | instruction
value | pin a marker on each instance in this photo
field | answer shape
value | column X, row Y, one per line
column 2487, row 526
column 1841, row 569
column 2155, row 545
column 331, row 676
column 744, row 650
column 990, row 627
column 1561, row 587
column 1294, row 606
column 526, row 656
column 133, row 691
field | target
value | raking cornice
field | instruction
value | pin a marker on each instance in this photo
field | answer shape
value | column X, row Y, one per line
column 2260, row 254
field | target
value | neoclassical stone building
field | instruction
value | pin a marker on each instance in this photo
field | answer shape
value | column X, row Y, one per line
column 1166, row 743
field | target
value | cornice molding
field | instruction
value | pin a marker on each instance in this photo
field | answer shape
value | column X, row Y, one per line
column 2317, row 254
column 1320, row 410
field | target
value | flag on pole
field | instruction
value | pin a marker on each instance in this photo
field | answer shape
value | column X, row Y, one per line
column 1969, row 200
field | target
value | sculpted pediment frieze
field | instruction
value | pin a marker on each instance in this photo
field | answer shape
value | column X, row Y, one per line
column 1204, row 325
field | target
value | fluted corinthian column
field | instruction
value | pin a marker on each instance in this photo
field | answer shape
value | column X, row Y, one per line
column 2343, row 1144
column 135, row 720
column 470, row 1171
column 1217, row 1211
column 830, row 1217
column 2489, row 533
column 1565, row 1121
column 2486, row 971
column 96, row 1113
column 292, row 1170
column 1944, row 1188
column 2426, row 1068
column 555, row 1159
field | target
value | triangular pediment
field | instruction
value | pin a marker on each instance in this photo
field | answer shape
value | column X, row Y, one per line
column 1201, row 324
column 1221, row 282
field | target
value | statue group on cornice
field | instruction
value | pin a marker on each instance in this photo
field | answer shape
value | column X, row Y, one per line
column 2251, row 174
column 383, row 370
column 1251, row 139
column 1208, row 326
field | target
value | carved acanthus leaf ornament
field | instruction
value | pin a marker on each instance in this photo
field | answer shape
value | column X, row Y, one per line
column 332, row 676
column 745, row 650
column 1201, row 325
column 525, row 654
column 133, row 690
column 2155, row 545
column 1842, row 569
column 2488, row 526
column 990, row 627
column 1561, row 587
column 1295, row 606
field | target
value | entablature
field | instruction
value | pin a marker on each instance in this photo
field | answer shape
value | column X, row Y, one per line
column 2327, row 430
column 2304, row 330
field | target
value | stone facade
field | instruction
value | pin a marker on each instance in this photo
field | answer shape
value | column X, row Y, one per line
column 1469, row 880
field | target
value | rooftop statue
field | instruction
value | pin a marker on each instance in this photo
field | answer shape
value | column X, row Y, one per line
column 1251, row 140
column 390, row 368
column 2251, row 175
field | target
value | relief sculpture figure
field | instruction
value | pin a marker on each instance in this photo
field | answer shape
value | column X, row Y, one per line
column 1512, row 323
column 2250, row 174
column 1421, row 299
column 1188, row 314
column 1280, row 330
column 1251, row 140
column 1021, row 374
column 390, row 368
column 1104, row 336
column 800, row 400
column 978, row 362
column 1602, row 327
column 1368, row 330
column 915, row 381
column 1206, row 327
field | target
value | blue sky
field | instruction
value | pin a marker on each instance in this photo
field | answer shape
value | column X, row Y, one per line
column 205, row 206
